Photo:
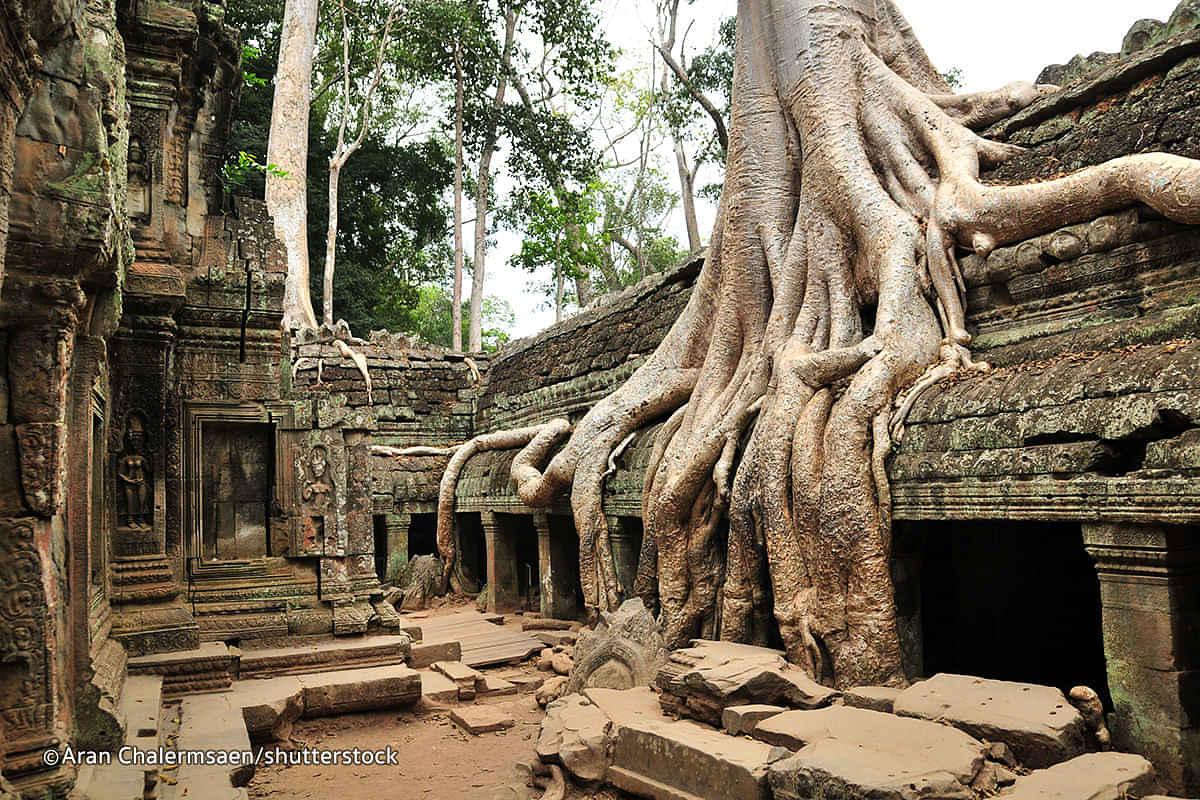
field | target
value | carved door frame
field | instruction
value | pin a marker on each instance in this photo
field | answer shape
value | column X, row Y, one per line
column 195, row 416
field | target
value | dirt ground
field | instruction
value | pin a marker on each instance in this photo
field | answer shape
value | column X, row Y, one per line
column 438, row 761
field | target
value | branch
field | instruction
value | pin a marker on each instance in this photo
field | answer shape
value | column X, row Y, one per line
column 700, row 97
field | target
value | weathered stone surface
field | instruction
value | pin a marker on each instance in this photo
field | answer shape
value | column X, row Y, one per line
column 626, row 649
column 212, row 722
column 561, row 663
column 425, row 654
column 577, row 734
column 742, row 720
column 551, row 690
column 1094, row 776
column 269, row 706
column 437, row 688
column 419, row 582
column 481, row 719
column 1037, row 722
column 463, row 676
column 372, row 688
column 702, row 680
column 855, row 753
column 667, row 759
column 873, row 698
column 494, row 685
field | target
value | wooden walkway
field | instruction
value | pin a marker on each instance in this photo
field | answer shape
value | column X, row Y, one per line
column 484, row 642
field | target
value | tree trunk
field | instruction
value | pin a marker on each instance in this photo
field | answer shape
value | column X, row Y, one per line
column 687, row 191
column 335, row 171
column 456, row 302
column 831, row 285
column 475, row 325
column 287, row 150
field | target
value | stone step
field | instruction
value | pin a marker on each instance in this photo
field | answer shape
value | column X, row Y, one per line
column 464, row 677
column 208, row 668
column 212, row 722
column 437, row 688
column 110, row 782
column 141, row 707
column 325, row 656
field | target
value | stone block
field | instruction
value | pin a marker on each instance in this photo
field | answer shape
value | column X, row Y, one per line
column 269, row 707
column 493, row 685
column 437, row 687
column 742, row 720
column 577, row 734
column 855, row 754
column 369, row 689
column 424, row 654
column 1037, row 722
column 1164, row 697
column 873, row 698
column 1094, row 776
column 481, row 719
column 464, row 677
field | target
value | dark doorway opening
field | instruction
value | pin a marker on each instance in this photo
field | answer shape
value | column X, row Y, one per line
column 422, row 535
column 564, row 567
column 472, row 552
column 525, row 547
column 238, row 462
column 1013, row 601
column 379, row 525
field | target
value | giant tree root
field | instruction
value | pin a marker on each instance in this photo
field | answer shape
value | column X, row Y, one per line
column 832, row 284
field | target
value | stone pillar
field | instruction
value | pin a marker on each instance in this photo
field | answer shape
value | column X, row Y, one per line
column 397, row 543
column 625, row 551
column 501, row 564
column 559, row 567
column 541, row 523
column 1150, row 598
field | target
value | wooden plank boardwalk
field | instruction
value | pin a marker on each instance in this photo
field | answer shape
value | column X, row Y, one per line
column 483, row 641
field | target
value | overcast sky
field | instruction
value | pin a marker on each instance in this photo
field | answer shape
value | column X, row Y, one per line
column 991, row 42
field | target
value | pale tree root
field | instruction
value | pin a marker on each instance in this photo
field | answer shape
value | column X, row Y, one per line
column 543, row 437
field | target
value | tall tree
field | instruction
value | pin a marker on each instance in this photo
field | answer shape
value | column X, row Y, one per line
column 287, row 149
column 346, row 147
column 832, row 284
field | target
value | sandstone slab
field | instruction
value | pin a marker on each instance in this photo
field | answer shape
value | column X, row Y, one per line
column 1094, row 776
column 742, row 720
column 576, row 734
column 371, row 688
column 494, row 685
column 873, row 698
column 1037, row 722
column 464, row 677
column 481, row 719
column 424, row 654
column 437, row 688
column 702, row 680
column 269, row 707
column 657, row 756
column 855, row 753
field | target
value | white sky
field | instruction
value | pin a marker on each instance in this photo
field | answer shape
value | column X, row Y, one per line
column 991, row 42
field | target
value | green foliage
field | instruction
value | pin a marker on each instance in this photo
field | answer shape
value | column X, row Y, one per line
column 425, row 311
column 710, row 73
column 953, row 77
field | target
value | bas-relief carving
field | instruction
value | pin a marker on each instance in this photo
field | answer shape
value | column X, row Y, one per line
column 26, row 707
column 136, row 477
column 318, row 499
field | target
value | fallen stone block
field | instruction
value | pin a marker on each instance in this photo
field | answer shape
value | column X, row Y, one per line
column 741, row 720
column 481, row 719
column 550, row 691
column 1094, row 776
column 524, row 681
column 1037, row 722
column 212, row 722
column 702, row 680
column 372, row 688
column 872, row 698
column 668, row 759
column 464, row 677
column 425, row 654
column 855, row 754
column 270, row 706
column 561, row 663
column 545, row 624
column 437, row 688
column 494, row 685
column 576, row 734
column 555, row 638
column 624, row 650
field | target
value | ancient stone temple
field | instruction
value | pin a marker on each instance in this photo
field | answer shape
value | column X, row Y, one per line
column 179, row 479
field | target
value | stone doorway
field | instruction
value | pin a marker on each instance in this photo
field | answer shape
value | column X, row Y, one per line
column 472, row 552
column 1008, row 600
column 422, row 535
column 237, row 460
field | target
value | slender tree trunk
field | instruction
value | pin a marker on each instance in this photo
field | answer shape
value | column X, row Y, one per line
column 483, row 183
column 287, row 149
column 335, row 171
column 559, row 288
column 687, row 191
column 456, row 307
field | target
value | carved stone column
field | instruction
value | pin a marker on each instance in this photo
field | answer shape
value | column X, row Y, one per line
column 397, row 543
column 1150, row 598
column 559, row 567
column 626, row 548
column 502, row 590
